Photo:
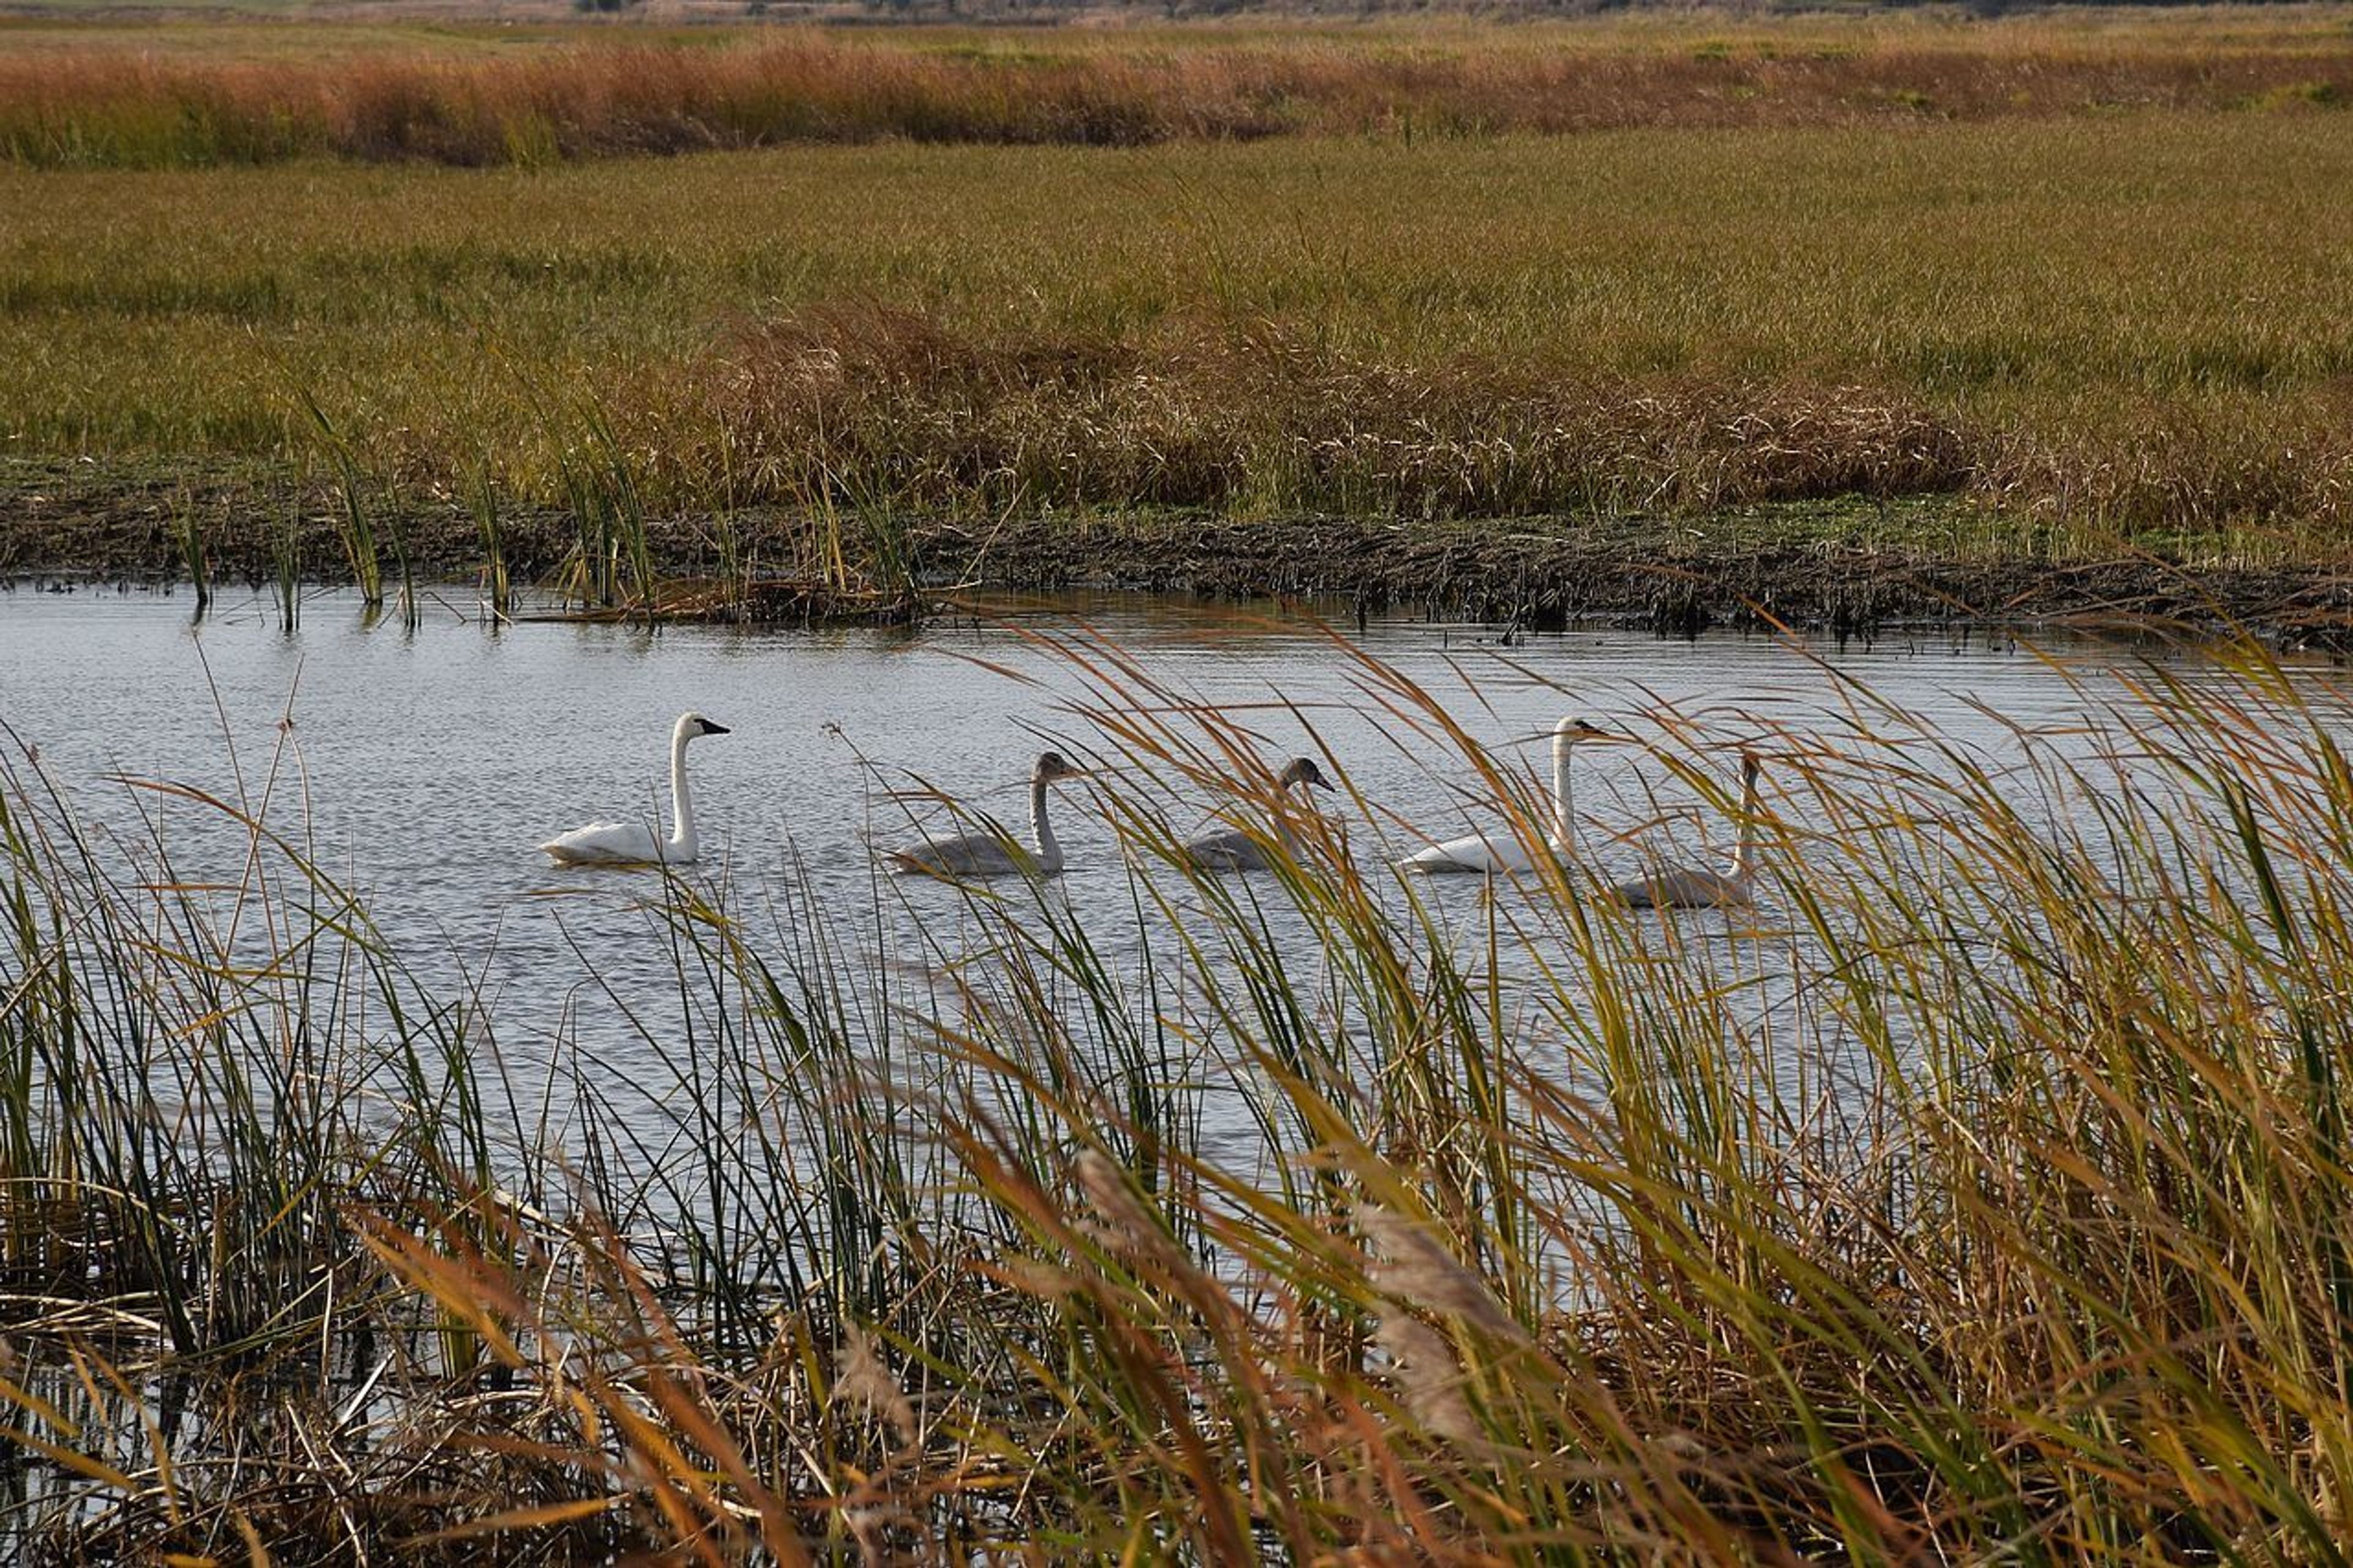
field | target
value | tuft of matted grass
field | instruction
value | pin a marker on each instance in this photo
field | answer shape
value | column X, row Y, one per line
column 2127, row 329
column 1981, row 1192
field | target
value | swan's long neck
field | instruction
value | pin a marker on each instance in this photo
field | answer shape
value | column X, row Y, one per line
column 1561, row 746
column 684, row 845
column 1041, row 831
column 1744, row 851
column 1284, row 834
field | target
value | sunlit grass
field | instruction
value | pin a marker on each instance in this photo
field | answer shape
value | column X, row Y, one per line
column 137, row 96
column 2133, row 326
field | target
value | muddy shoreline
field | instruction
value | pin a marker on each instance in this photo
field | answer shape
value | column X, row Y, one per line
column 1847, row 568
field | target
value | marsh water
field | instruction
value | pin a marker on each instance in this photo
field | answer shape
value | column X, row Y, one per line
column 421, row 765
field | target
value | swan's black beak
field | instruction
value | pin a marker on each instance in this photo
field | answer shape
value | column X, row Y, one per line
column 710, row 729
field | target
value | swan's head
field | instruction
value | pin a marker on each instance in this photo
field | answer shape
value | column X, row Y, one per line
column 1574, row 728
column 1053, row 765
column 689, row 725
column 1303, row 769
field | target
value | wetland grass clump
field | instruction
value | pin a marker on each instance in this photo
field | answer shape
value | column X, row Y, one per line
column 600, row 494
column 2143, row 349
column 575, row 95
column 858, row 568
column 137, row 1001
column 496, row 589
column 286, row 569
column 1983, row 1189
column 904, row 412
column 188, row 535
column 354, row 514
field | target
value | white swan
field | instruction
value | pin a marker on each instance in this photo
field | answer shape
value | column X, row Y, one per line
column 632, row 843
column 1235, row 850
column 994, row 853
column 1477, row 852
column 1688, row 887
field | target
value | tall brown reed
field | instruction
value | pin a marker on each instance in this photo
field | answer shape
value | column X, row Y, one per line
column 103, row 107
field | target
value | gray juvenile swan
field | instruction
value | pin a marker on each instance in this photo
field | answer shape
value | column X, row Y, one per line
column 633, row 843
column 988, row 854
column 1688, row 887
column 1234, row 849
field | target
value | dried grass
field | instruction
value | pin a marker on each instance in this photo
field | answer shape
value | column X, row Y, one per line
column 2145, row 345
column 100, row 106
column 1263, row 421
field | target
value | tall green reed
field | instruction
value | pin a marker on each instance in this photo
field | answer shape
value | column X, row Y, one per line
column 286, row 563
column 188, row 535
column 600, row 490
column 482, row 500
column 355, row 522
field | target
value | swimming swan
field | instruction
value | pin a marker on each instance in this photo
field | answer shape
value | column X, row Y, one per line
column 632, row 843
column 1235, row 849
column 995, row 854
column 1689, row 888
column 1477, row 852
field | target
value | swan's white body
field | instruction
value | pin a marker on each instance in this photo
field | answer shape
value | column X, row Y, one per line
column 995, row 853
column 1477, row 852
column 1236, row 849
column 1689, row 886
column 633, row 843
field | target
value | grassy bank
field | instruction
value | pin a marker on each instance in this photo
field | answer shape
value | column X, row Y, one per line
column 2130, row 330
column 77, row 98
column 1983, row 1195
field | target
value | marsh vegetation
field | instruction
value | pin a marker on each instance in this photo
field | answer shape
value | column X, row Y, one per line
column 2104, row 320
column 134, row 98
column 1981, row 1191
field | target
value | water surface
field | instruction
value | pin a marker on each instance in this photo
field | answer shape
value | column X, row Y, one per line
column 423, row 766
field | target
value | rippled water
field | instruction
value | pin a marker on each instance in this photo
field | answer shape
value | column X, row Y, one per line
column 425, row 764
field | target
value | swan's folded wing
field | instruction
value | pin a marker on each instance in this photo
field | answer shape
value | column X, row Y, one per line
column 588, row 834
column 602, row 841
column 934, row 856
column 1470, row 853
column 964, row 855
column 919, row 858
column 1226, row 849
column 1681, row 887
